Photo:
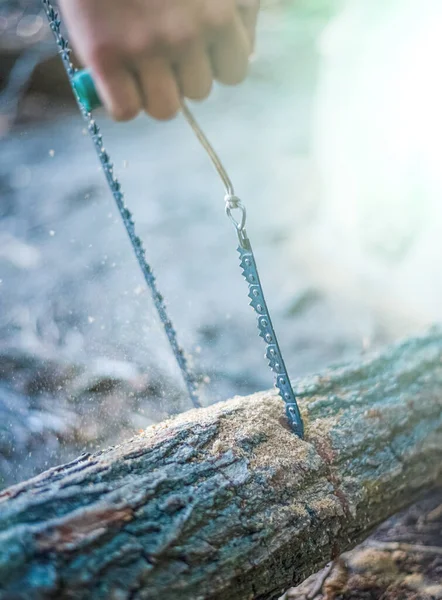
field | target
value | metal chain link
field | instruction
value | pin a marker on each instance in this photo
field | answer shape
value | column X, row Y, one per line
column 115, row 188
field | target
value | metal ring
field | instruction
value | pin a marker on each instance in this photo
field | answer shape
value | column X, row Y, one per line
column 234, row 203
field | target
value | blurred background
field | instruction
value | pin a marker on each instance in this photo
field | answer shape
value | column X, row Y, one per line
column 333, row 145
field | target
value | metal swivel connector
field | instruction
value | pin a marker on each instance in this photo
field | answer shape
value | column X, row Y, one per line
column 233, row 203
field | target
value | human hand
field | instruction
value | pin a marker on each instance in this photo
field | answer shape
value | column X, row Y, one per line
column 145, row 54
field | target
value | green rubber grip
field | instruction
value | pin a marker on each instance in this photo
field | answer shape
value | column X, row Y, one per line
column 86, row 91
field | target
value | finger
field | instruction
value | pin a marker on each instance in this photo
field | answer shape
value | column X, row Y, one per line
column 159, row 88
column 248, row 11
column 119, row 92
column 194, row 73
column 230, row 53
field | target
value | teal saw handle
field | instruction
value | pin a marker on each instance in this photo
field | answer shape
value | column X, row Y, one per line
column 86, row 91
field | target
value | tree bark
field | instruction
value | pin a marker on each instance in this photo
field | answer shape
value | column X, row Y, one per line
column 225, row 503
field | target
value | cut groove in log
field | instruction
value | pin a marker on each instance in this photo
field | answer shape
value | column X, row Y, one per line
column 225, row 503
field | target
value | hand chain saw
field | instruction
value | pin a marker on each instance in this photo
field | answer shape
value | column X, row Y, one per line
column 88, row 99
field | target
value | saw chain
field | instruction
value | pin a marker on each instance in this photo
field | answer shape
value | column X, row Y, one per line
column 88, row 99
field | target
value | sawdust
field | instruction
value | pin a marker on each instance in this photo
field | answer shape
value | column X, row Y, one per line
column 255, row 428
column 256, row 422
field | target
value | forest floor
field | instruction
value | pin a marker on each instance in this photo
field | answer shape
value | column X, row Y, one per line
column 83, row 360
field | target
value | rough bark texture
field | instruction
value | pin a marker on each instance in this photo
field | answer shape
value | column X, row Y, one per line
column 225, row 502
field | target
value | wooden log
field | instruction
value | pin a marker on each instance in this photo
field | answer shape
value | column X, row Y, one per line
column 225, row 502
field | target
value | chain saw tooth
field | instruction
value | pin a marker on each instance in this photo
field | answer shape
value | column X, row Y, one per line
column 126, row 213
column 93, row 128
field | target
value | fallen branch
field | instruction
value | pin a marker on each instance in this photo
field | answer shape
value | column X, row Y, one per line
column 225, row 503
